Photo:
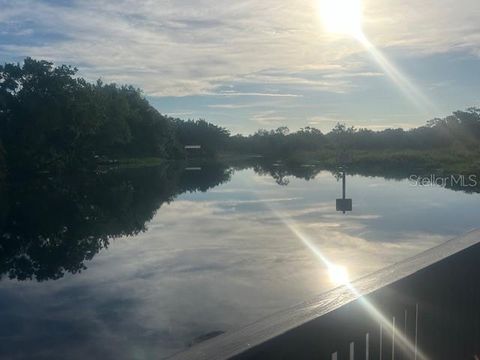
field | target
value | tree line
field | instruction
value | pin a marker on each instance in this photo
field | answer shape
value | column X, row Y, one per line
column 52, row 119
column 459, row 131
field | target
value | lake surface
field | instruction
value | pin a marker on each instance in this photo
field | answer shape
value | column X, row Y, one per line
column 141, row 263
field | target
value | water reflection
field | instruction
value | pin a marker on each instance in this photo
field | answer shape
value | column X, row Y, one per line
column 192, row 253
column 344, row 204
column 51, row 225
column 432, row 314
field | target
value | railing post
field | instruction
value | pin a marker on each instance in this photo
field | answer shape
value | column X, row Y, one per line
column 416, row 330
column 381, row 341
column 393, row 338
column 367, row 344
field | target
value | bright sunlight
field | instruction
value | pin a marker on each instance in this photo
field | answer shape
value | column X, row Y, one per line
column 338, row 274
column 342, row 16
column 345, row 17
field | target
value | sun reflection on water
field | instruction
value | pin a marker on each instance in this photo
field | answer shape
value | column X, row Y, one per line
column 339, row 276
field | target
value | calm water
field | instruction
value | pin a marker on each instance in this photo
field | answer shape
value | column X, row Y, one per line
column 142, row 263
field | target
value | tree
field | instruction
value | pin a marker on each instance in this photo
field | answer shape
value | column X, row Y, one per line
column 50, row 119
column 46, row 115
column 3, row 165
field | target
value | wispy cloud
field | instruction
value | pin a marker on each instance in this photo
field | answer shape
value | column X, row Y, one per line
column 230, row 106
column 234, row 93
column 269, row 119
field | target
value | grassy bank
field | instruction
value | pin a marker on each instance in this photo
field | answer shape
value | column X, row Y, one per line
column 445, row 161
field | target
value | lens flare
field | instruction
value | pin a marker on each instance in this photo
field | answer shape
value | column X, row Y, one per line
column 339, row 276
column 345, row 17
column 402, row 82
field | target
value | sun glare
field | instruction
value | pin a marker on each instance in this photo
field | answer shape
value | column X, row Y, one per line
column 338, row 274
column 342, row 16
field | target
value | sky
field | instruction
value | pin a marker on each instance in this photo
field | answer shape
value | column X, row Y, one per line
column 253, row 64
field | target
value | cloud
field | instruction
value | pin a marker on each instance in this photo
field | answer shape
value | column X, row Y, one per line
column 354, row 74
column 269, row 118
column 234, row 93
column 193, row 48
column 426, row 27
column 325, row 123
column 181, row 113
column 392, row 125
column 230, row 106
column 329, row 82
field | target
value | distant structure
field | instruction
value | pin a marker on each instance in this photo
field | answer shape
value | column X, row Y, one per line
column 193, row 151
column 193, row 147
column 344, row 204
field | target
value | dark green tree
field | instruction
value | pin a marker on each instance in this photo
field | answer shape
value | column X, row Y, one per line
column 47, row 116
column 50, row 119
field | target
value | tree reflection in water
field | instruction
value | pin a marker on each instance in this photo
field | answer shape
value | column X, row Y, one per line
column 50, row 226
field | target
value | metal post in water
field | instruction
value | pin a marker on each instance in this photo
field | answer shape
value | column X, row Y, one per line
column 352, row 351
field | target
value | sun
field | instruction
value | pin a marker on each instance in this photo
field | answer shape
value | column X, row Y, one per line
column 342, row 17
column 338, row 274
